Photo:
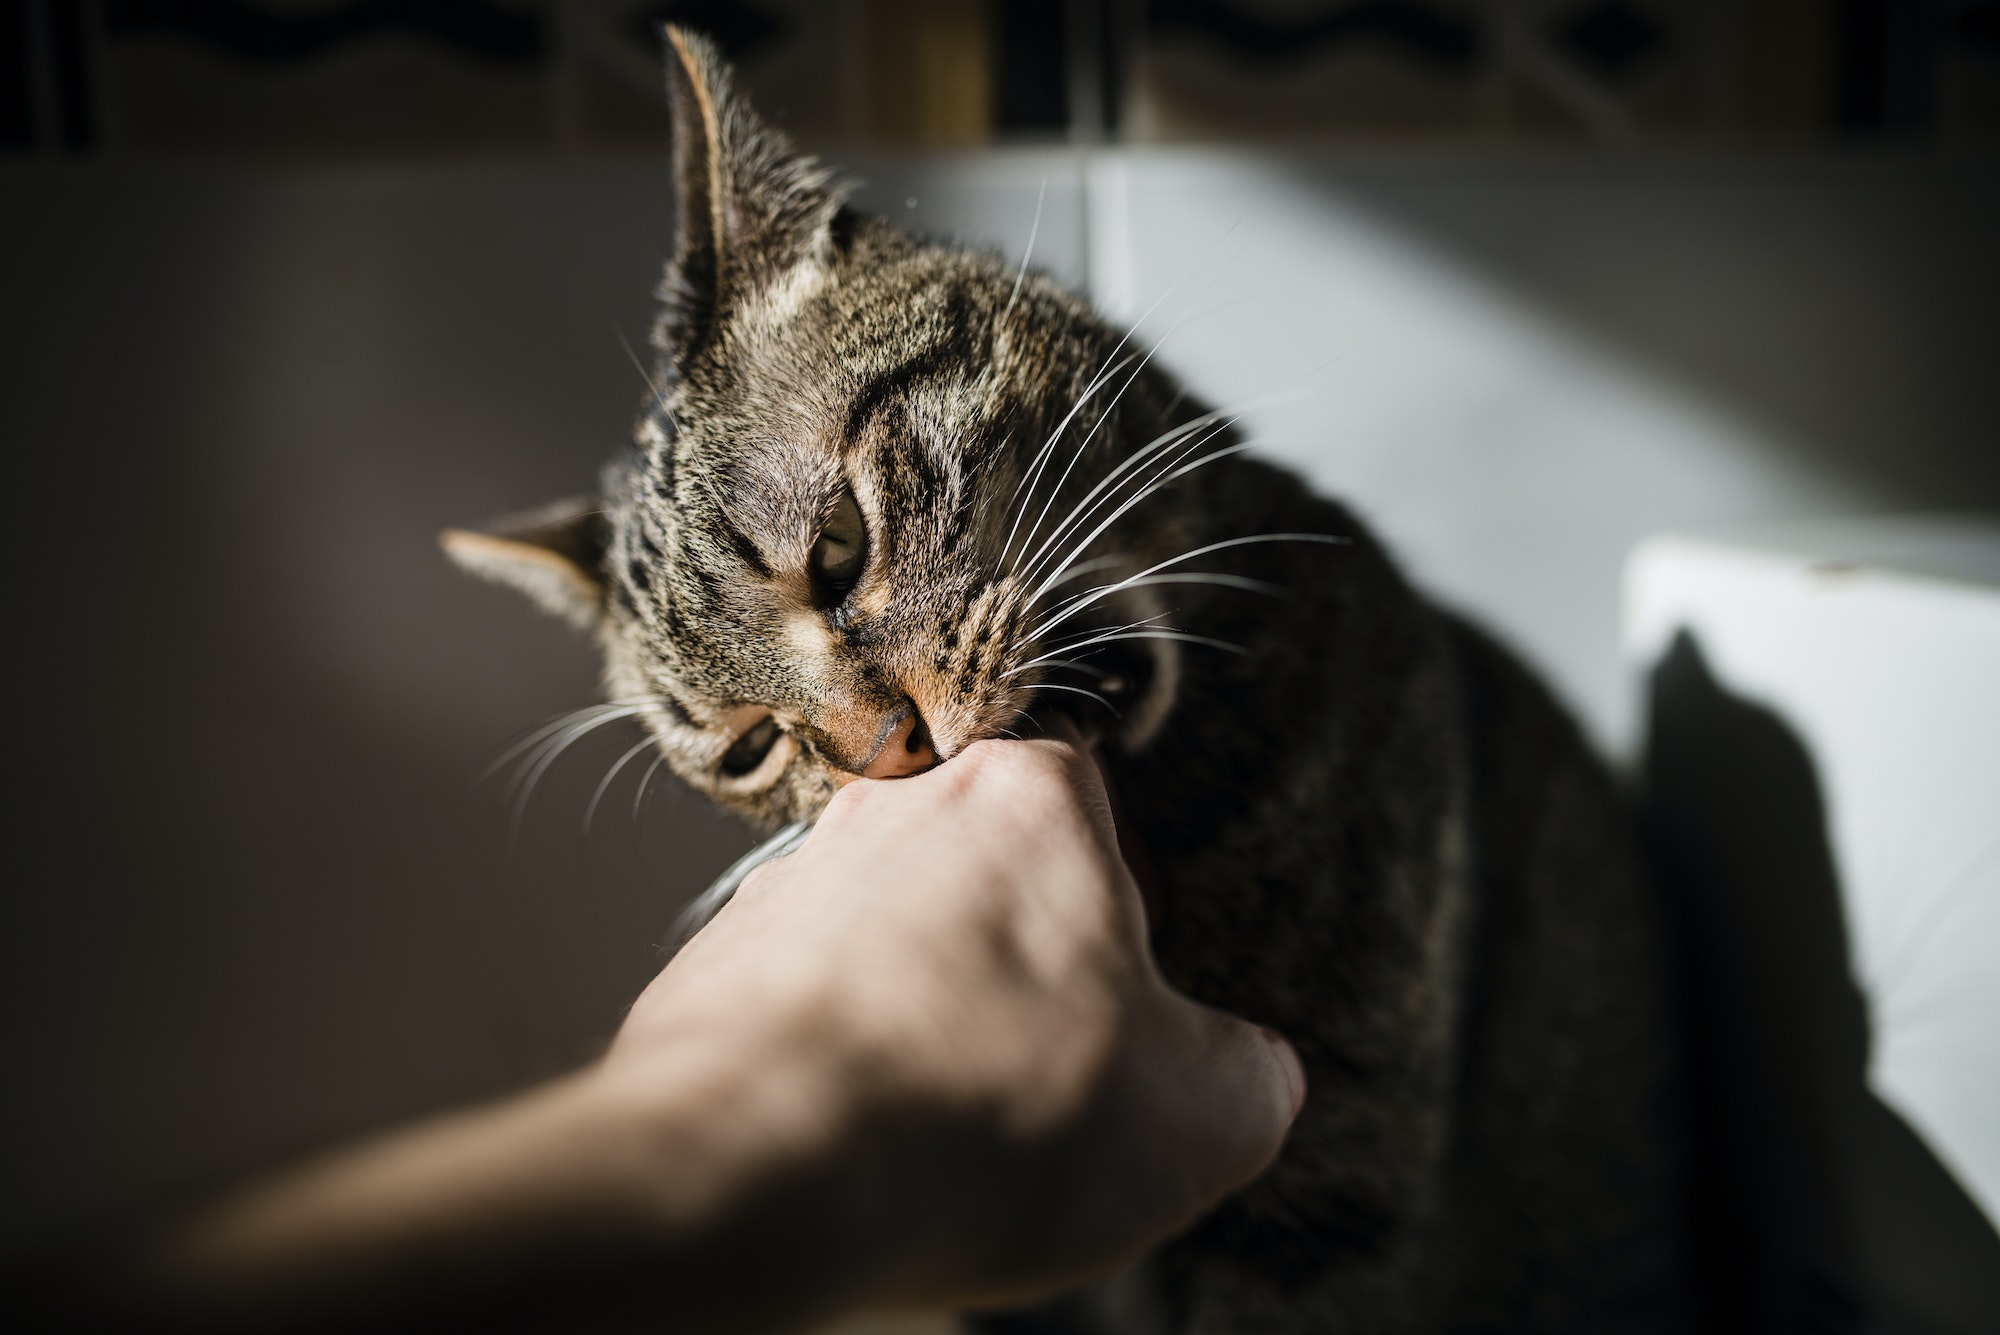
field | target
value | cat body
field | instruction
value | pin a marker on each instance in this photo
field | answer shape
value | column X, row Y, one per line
column 892, row 497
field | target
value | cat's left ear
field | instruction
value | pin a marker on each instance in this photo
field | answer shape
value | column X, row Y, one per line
column 554, row 555
column 750, row 206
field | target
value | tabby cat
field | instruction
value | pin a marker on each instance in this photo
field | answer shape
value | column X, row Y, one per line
column 891, row 497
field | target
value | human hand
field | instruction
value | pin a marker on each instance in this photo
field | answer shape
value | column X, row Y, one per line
column 949, row 989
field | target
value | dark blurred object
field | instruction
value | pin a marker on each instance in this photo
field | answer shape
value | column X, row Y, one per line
column 50, row 99
column 476, row 29
column 1612, row 70
column 1429, row 34
column 1032, row 90
column 394, row 77
column 1920, row 66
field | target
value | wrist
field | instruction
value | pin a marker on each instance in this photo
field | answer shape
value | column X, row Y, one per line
column 738, row 1140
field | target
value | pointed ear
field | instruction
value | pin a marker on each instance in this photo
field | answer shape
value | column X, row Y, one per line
column 554, row 554
column 750, row 206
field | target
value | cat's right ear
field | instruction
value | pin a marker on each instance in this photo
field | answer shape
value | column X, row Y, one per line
column 554, row 555
column 697, row 130
column 750, row 206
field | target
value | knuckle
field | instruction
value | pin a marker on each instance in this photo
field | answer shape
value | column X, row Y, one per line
column 1021, row 765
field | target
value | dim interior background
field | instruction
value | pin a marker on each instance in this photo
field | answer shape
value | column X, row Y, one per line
column 291, row 284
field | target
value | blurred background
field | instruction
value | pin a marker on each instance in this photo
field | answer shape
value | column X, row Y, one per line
column 288, row 285
column 313, row 79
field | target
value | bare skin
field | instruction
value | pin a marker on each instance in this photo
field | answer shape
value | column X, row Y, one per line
column 925, row 1061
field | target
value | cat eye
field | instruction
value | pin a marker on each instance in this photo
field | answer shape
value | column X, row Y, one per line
column 840, row 550
column 749, row 750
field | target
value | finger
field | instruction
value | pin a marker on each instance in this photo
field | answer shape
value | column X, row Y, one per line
column 1024, row 775
column 1241, row 1087
column 1086, row 780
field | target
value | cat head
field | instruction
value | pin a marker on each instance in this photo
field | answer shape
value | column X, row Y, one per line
column 836, row 547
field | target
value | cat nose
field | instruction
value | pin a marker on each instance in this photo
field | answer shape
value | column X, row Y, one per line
column 905, row 749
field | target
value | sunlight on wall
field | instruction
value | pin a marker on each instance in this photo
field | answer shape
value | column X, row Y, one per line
column 1511, row 461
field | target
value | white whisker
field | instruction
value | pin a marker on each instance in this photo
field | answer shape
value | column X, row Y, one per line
column 1028, row 253
column 1042, row 457
column 1098, row 494
column 1161, row 451
column 1160, row 444
column 645, row 780
column 1084, row 640
column 531, row 768
column 1078, row 690
column 1061, row 643
column 1064, row 611
column 547, row 728
column 1150, row 489
column 1082, row 568
column 1031, row 476
column 659, row 391
column 1102, row 418
column 540, row 766
column 590, row 811
column 552, row 734
column 1151, row 572
column 1080, row 665
column 1178, row 636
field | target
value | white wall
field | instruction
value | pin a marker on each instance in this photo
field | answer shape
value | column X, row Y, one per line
column 1518, row 368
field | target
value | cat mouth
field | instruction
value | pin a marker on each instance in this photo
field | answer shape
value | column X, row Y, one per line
column 1088, row 698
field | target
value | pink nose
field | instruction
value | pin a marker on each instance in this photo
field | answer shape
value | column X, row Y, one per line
column 906, row 750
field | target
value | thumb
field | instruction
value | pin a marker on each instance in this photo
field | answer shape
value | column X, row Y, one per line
column 1239, row 1088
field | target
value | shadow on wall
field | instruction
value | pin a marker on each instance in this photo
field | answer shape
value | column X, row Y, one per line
column 1835, row 305
column 1818, row 1209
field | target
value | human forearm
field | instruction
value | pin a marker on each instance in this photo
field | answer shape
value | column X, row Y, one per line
column 698, row 1189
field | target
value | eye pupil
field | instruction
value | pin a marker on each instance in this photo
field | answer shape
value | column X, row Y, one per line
column 841, row 549
column 749, row 750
